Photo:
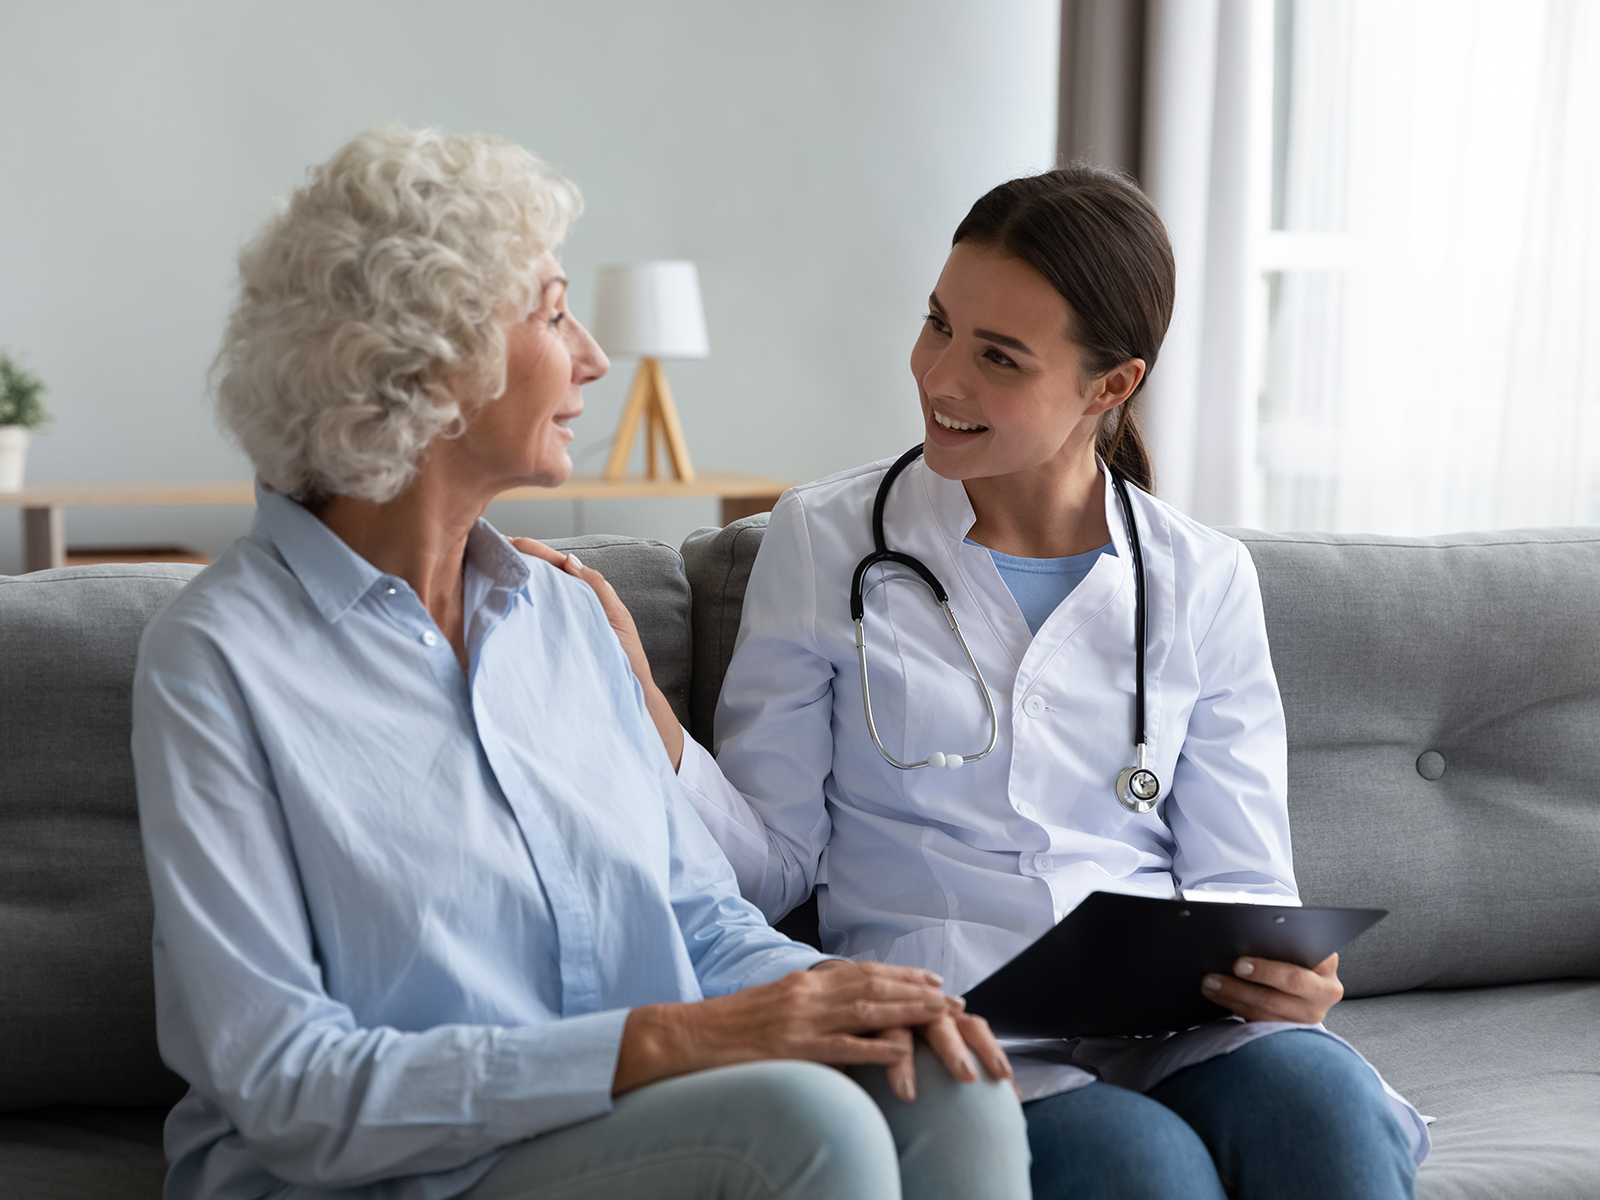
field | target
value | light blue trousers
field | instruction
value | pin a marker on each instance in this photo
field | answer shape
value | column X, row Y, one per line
column 782, row 1129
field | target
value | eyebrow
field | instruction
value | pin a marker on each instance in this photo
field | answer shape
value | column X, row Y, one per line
column 988, row 335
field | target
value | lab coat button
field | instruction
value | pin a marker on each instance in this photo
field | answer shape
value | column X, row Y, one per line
column 1042, row 862
column 1033, row 706
column 430, row 638
column 1430, row 765
column 1025, row 809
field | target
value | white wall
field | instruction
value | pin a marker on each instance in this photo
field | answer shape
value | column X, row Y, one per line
column 812, row 157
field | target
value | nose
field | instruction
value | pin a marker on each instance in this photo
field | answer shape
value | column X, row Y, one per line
column 589, row 362
column 944, row 375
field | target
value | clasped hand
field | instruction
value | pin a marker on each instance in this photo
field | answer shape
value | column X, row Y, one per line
column 839, row 1013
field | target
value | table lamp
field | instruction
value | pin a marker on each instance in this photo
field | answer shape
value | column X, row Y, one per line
column 652, row 310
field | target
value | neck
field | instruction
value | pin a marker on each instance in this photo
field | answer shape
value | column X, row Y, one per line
column 1053, row 510
column 420, row 536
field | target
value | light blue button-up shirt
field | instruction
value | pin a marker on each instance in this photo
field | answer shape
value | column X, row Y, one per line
column 402, row 912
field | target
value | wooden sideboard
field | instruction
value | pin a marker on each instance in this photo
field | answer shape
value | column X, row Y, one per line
column 44, row 523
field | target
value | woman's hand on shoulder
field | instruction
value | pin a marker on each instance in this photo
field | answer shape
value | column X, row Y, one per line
column 1264, row 990
column 622, row 624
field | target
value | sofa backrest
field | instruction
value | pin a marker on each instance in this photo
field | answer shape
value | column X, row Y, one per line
column 1443, row 706
column 77, row 1011
column 77, row 999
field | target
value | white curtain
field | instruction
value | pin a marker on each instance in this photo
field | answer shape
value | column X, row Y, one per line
column 1438, row 368
column 1205, row 163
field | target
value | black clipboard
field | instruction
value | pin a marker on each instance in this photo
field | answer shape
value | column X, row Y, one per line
column 1123, row 965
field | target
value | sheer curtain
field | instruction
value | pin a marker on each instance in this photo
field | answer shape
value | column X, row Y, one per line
column 1433, row 304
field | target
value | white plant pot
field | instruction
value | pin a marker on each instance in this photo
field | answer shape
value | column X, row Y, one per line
column 13, row 456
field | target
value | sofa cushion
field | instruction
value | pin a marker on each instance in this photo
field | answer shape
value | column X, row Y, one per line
column 650, row 580
column 79, row 1153
column 1443, row 703
column 718, row 563
column 1511, row 1073
column 77, row 1001
column 1442, row 697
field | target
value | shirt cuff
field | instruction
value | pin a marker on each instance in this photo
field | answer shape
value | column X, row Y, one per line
column 554, row 1073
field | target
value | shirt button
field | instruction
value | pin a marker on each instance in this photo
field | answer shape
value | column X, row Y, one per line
column 1043, row 862
column 1025, row 809
column 430, row 638
column 1033, row 706
column 390, row 591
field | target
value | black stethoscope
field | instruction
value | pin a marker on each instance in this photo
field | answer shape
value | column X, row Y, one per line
column 1137, row 787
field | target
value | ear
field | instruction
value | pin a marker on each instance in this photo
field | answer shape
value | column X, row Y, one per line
column 1115, row 386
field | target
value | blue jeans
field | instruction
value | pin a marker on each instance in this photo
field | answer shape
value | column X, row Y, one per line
column 1293, row 1114
column 789, row 1130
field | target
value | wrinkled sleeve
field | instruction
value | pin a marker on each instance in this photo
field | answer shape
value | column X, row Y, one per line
column 762, row 796
column 1229, row 808
column 243, row 1013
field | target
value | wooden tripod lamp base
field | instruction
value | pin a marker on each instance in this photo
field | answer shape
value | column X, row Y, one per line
column 649, row 400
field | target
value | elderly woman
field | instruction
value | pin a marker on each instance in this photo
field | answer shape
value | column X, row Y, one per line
column 433, row 917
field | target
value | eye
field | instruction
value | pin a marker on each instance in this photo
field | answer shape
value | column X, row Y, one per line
column 998, row 359
column 938, row 325
column 558, row 318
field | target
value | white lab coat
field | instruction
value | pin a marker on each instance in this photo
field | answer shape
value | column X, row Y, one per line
column 958, row 871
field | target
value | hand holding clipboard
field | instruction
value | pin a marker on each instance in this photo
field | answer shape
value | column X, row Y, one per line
column 1124, row 965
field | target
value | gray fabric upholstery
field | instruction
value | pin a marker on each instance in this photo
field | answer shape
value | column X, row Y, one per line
column 1482, row 650
column 649, row 578
column 82, row 1154
column 1511, row 1073
column 718, row 563
column 77, row 1007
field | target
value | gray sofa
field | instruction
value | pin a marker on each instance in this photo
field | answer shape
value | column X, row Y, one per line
column 1443, row 699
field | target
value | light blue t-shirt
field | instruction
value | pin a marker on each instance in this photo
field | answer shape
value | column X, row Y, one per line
column 1040, row 584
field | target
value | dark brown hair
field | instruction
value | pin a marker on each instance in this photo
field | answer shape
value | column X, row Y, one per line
column 1100, row 242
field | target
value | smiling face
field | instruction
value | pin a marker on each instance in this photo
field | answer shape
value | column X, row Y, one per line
column 521, row 437
column 1001, row 384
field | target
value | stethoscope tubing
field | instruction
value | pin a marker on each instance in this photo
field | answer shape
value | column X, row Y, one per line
column 1137, row 788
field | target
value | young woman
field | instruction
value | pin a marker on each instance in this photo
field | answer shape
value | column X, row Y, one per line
column 1032, row 502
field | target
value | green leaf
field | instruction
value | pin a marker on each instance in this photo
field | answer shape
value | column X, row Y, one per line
column 21, row 395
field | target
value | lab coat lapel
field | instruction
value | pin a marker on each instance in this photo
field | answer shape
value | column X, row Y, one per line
column 977, row 593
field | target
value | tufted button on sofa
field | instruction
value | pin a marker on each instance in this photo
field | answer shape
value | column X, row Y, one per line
column 1443, row 704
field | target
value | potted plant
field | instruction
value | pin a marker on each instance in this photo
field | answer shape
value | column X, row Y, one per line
column 21, row 410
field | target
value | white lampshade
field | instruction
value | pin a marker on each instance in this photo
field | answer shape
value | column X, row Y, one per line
column 652, row 310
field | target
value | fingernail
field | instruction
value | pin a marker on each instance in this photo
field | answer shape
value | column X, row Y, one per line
column 908, row 1093
column 1000, row 1069
column 1244, row 967
column 1212, row 983
column 936, row 980
column 972, row 1067
column 574, row 563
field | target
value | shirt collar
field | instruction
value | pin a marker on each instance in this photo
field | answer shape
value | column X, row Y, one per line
column 335, row 576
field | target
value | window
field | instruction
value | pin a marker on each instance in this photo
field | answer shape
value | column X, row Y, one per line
column 1432, row 271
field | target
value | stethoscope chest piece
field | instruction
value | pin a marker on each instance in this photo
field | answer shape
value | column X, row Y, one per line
column 1137, row 789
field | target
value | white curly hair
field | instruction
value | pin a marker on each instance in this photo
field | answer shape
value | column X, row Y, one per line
column 374, row 301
